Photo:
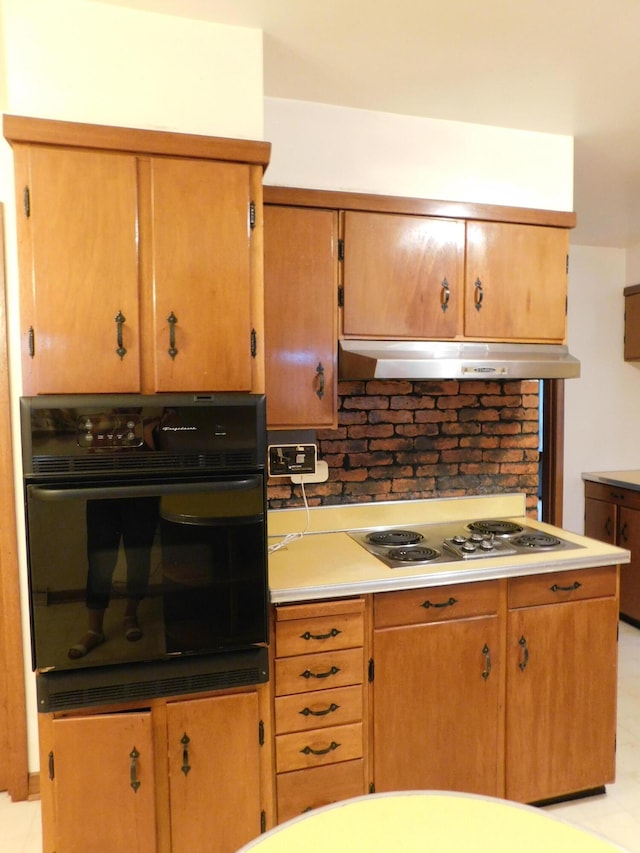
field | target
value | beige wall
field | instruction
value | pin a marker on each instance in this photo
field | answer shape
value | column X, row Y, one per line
column 76, row 60
column 338, row 148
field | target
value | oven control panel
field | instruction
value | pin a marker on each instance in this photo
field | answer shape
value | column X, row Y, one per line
column 109, row 430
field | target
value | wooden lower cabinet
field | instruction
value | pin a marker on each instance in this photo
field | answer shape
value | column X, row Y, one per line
column 102, row 771
column 320, row 716
column 561, row 683
column 612, row 514
column 177, row 777
column 436, row 690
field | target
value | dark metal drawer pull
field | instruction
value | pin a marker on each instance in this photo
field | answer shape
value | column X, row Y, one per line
column 486, row 651
column 308, row 674
column 574, row 585
column 172, row 320
column 427, row 604
column 120, row 320
column 525, row 653
column 319, row 380
column 185, row 740
column 309, row 751
column 309, row 636
column 332, row 707
column 134, row 755
column 445, row 295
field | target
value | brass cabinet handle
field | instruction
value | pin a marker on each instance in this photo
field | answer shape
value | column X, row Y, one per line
column 172, row 320
column 486, row 651
column 525, row 653
column 308, row 674
column 479, row 294
column 185, row 740
column 134, row 755
column 445, row 295
column 120, row 320
column 309, row 636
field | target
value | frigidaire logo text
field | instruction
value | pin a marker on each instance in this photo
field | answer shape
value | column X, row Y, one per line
column 179, row 429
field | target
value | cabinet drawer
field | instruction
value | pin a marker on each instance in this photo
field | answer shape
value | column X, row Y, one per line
column 306, row 673
column 302, row 636
column 436, row 604
column 562, row 586
column 302, row 790
column 612, row 494
column 318, row 747
column 320, row 709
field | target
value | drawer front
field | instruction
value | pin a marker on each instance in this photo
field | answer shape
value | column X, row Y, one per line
column 562, row 586
column 307, row 673
column 304, row 711
column 613, row 494
column 324, row 633
column 435, row 604
column 302, row 790
column 318, row 747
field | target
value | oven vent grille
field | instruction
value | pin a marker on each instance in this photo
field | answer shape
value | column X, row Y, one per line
column 238, row 460
column 66, row 691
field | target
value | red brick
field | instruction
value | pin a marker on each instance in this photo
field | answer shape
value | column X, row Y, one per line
column 389, row 387
column 371, row 431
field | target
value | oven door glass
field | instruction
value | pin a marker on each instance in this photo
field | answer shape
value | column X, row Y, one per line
column 145, row 572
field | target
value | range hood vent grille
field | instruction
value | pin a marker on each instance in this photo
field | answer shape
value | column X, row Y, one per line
column 366, row 359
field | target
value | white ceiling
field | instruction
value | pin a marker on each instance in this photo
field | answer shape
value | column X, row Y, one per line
column 556, row 66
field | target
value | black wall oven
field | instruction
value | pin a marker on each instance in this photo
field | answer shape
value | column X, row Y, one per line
column 147, row 546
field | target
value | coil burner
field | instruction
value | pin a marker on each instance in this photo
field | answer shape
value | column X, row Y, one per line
column 419, row 554
column 536, row 541
column 497, row 526
column 395, row 538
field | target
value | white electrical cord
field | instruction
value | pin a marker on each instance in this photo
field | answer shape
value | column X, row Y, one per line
column 291, row 537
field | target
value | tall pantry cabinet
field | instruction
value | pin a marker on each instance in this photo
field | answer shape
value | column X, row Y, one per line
column 140, row 257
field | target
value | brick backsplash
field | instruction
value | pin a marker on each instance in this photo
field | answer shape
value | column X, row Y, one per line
column 401, row 440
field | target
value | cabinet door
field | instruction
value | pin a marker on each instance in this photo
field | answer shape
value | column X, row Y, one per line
column 402, row 275
column 629, row 537
column 79, row 271
column 214, row 773
column 600, row 519
column 436, row 698
column 104, row 783
column 516, row 282
column 200, row 267
column 301, row 295
column 561, row 698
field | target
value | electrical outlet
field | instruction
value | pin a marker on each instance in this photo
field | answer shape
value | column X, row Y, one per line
column 287, row 459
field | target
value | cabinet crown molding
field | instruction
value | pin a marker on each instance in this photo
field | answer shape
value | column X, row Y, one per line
column 23, row 129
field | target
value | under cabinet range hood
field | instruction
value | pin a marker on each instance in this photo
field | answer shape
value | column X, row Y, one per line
column 366, row 359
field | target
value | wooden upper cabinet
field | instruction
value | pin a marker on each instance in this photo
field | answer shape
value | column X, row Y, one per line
column 516, row 282
column 403, row 275
column 199, row 255
column 140, row 257
column 301, row 296
column 77, row 215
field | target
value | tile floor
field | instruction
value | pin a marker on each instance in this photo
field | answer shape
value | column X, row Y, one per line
column 614, row 815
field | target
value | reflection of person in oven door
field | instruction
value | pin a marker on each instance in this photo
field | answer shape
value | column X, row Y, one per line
column 110, row 522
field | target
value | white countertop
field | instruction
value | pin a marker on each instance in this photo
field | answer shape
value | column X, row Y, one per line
column 623, row 479
column 327, row 563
